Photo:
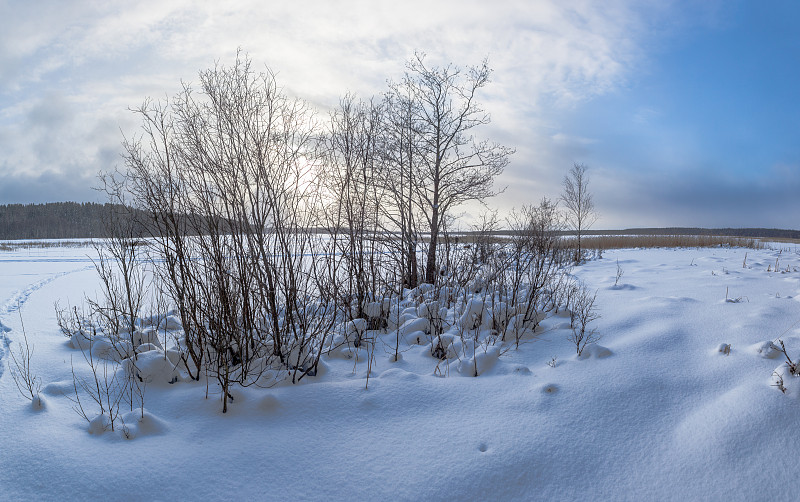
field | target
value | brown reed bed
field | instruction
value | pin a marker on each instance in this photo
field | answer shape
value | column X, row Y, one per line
column 604, row 242
column 43, row 244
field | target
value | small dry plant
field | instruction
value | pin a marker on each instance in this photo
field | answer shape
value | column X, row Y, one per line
column 793, row 369
column 583, row 312
column 779, row 382
column 738, row 299
column 25, row 379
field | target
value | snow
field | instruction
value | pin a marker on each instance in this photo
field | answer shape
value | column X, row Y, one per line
column 679, row 399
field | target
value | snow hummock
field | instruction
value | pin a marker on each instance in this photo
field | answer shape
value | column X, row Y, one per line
column 680, row 399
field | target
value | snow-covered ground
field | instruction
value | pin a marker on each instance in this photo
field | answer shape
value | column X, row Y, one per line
column 664, row 415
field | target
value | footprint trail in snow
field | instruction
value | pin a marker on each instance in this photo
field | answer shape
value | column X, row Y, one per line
column 12, row 305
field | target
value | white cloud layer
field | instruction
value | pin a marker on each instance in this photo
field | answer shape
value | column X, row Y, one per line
column 71, row 69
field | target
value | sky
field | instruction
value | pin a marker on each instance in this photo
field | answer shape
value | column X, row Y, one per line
column 686, row 112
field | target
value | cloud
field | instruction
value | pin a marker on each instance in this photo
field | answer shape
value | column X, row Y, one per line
column 699, row 197
column 49, row 186
column 71, row 71
column 112, row 53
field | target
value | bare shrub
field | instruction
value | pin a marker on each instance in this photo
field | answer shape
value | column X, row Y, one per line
column 22, row 373
column 535, row 259
column 109, row 385
column 584, row 312
column 227, row 176
column 355, row 271
column 793, row 366
column 106, row 389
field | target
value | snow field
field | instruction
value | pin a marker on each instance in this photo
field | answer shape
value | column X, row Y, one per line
column 654, row 412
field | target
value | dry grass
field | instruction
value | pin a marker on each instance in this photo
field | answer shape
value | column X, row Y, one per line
column 45, row 244
column 782, row 240
column 668, row 241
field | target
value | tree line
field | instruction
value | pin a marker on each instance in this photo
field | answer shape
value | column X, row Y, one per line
column 78, row 220
column 54, row 220
column 775, row 233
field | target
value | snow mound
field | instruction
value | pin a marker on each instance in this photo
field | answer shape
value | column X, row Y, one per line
column 431, row 310
column 403, row 316
column 347, row 352
column 153, row 320
column 80, row 340
column 766, row 350
column 519, row 328
column 38, row 403
column 446, row 346
column 375, row 310
column 322, row 369
column 171, row 323
column 300, row 356
column 398, row 374
column 472, row 315
column 138, row 423
column 350, row 332
column 103, row 348
column 594, row 351
column 550, row 388
column 99, row 425
column 480, row 362
column 148, row 335
column 153, row 367
column 413, row 326
column 62, row 388
column 416, row 338
column 422, row 289
column 783, row 380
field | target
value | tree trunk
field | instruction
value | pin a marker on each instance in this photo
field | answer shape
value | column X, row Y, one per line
column 430, row 266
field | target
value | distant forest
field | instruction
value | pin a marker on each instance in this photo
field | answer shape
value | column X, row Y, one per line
column 54, row 220
column 74, row 220
column 765, row 233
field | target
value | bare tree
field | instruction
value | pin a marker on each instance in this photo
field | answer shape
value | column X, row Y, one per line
column 450, row 166
column 579, row 203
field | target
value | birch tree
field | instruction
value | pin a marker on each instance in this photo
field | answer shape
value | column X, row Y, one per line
column 451, row 166
column 579, row 204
